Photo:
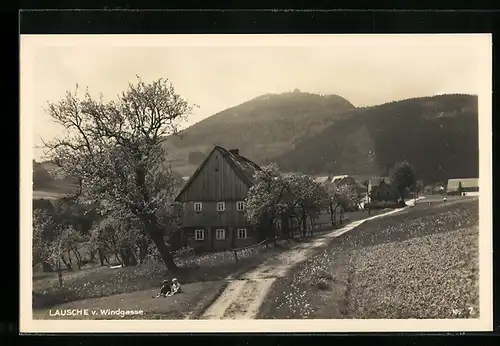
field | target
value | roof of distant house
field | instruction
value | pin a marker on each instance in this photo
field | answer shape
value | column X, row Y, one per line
column 339, row 177
column 466, row 182
column 343, row 177
column 377, row 180
column 322, row 179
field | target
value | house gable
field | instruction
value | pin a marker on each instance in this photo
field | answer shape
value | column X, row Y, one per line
column 383, row 191
column 218, row 178
column 467, row 183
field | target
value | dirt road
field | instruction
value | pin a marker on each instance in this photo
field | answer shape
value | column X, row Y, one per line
column 244, row 295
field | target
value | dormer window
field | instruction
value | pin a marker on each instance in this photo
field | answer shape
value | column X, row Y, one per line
column 221, row 206
column 198, row 207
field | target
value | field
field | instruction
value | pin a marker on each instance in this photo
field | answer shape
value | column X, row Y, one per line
column 203, row 276
column 419, row 263
column 189, row 304
column 104, row 281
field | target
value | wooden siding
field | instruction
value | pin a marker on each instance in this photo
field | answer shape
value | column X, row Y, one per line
column 210, row 216
column 216, row 181
column 210, row 243
column 384, row 192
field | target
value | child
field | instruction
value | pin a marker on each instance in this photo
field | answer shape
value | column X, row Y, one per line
column 175, row 288
column 167, row 290
column 164, row 290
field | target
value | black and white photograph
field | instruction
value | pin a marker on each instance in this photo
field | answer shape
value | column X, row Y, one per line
column 313, row 183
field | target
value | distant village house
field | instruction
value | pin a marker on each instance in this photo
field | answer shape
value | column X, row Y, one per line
column 380, row 190
column 462, row 186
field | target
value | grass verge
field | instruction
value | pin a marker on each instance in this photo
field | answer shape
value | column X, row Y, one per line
column 414, row 264
column 103, row 281
column 189, row 304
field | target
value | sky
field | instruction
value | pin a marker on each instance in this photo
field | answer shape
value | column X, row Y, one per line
column 218, row 73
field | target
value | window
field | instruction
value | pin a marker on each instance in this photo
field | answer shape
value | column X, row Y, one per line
column 199, row 234
column 221, row 206
column 220, row 234
column 242, row 233
column 197, row 207
column 240, row 206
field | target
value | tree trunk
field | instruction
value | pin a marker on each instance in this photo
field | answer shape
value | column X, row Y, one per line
column 128, row 257
column 125, row 258
column 68, row 265
column 102, row 256
column 156, row 235
column 46, row 267
column 304, row 223
column 132, row 259
column 332, row 211
column 117, row 257
column 166, row 256
column 78, row 259
column 311, row 219
column 271, row 234
column 59, row 274
column 69, row 257
column 143, row 250
column 402, row 195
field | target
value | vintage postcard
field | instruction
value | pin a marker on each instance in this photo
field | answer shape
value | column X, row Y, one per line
column 281, row 183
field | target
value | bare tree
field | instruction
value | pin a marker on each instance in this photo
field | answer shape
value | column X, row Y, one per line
column 114, row 150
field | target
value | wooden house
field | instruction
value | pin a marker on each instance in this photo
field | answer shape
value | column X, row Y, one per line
column 380, row 190
column 462, row 186
column 213, row 202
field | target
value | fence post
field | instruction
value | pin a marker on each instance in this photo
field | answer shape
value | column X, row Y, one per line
column 235, row 255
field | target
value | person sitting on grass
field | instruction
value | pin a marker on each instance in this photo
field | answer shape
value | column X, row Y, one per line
column 164, row 290
column 169, row 290
column 175, row 288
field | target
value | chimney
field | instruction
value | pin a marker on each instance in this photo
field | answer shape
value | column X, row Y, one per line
column 235, row 151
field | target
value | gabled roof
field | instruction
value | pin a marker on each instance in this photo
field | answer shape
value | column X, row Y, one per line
column 375, row 187
column 342, row 178
column 339, row 177
column 466, row 182
column 377, row 180
column 242, row 166
column 322, row 179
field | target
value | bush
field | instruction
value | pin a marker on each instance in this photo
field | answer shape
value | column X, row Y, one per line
column 184, row 252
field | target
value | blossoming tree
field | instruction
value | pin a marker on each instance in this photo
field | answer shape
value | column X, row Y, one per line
column 114, row 149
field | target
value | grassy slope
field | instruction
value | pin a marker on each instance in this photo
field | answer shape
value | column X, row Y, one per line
column 103, row 287
column 373, row 139
column 196, row 297
column 261, row 128
column 421, row 263
column 102, row 281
